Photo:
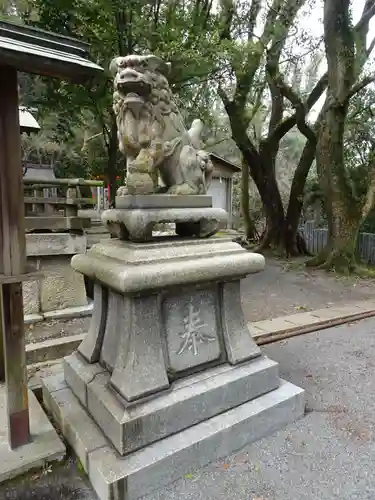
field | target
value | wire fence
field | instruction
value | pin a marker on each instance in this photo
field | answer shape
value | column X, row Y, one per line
column 316, row 239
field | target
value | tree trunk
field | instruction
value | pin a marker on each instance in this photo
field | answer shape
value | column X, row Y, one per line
column 250, row 230
column 271, row 200
column 274, row 211
column 293, row 241
column 343, row 211
column 340, row 254
column 344, row 215
column 281, row 232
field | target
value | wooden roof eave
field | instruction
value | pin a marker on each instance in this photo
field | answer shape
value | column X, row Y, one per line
column 34, row 51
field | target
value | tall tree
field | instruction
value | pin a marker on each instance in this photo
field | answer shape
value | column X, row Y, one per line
column 346, row 52
column 121, row 27
column 256, row 62
column 256, row 65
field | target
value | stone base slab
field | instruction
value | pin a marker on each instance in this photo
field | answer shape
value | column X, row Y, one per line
column 45, row 445
column 188, row 402
column 163, row 201
column 60, row 314
column 137, row 224
column 57, row 223
column 272, row 330
column 130, row 477
column 129, row 267
column 42, row 244
column 60, row 288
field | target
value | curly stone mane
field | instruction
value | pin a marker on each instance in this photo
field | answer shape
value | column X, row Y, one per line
column 151, row 132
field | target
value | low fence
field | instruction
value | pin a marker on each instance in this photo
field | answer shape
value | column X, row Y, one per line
column 316, row 239
column 53, row 205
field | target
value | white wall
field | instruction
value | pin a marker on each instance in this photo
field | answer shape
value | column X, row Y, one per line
column 220, row 190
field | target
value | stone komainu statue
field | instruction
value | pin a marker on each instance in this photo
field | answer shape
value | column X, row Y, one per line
column 151, row 132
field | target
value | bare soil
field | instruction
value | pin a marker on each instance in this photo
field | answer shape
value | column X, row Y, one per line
column 288, row 287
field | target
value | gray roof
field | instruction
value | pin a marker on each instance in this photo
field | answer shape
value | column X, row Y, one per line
column 227, row 163
column 37, row 51
column 38, row 172
column 27, row 121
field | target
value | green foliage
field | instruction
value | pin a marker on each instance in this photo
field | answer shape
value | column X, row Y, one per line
column 360, row 140
column 184, row 33
column 360, row 149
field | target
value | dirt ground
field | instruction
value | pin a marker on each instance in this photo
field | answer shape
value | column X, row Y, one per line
column 289, row 287
column 282, row 288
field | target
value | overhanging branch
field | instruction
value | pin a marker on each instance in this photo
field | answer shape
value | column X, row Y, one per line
column 300, row 107
column 361, row 85
column 291, row 121
column 368, row 13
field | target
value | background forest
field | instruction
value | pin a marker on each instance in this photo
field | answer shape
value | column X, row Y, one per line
column 284, row 87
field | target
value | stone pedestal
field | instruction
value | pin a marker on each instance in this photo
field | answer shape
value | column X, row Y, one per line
column 61, row 287
column 168, row 377
column 136, row 216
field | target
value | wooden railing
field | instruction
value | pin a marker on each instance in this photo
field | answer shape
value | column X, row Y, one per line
column 53, row 205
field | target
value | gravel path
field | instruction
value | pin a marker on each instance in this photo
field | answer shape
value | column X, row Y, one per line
column 327, row 455
column 284, row 288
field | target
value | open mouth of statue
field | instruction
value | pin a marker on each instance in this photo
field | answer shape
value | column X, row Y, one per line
column 136, row 89
column 132, row 97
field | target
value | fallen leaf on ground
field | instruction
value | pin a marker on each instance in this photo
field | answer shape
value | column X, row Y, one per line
column 188, row 476
column 226, row 466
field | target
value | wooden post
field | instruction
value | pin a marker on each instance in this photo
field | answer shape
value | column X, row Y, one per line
column 2, row 355
column 12, row 259
column 70, row 209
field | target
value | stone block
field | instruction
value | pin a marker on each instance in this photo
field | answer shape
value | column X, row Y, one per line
column 129, row 267
column 47, row 350
column 43, row 244
column 38, row 371
column 191, row 328
column 92, row 344
column 163, row 201
column 335, row 313
column 55, row 382
column 31, row 297
column 57, row 223
column 70, row 312
column 30, row 319
column 301, row 319
column 78, row 374
column 139, row 369
column 274, row 325
column 139, row 473
column 239, row 343
column 115, row 320
column 137, row 225
column 189, row 401
column 81, row 433
column 61, row 286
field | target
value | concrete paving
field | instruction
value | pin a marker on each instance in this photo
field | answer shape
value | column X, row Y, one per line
column 327, row 455
column 45, row 445
column 271, row 330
